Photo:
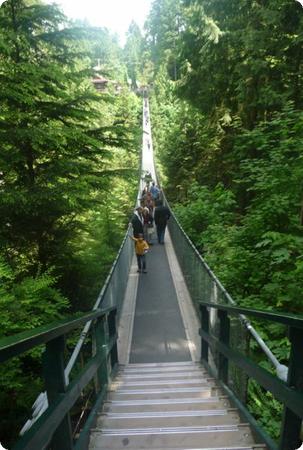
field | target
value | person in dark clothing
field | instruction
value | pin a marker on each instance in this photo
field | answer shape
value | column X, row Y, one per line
column 137, row 222
column 147, row 224
column 161, row 216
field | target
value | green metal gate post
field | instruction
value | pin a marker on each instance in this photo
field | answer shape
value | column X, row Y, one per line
column 112, row 335
column 224, row 338
column 53, row 369
column 205, row 327
column 291, row 424
column 101, row 340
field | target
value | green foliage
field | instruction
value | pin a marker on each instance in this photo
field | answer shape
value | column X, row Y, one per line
column 28, row 303
column 270, row 417
column 108, row 55
column 132, row 53
column 164, row 26
column 58, row 136
column 25, row 303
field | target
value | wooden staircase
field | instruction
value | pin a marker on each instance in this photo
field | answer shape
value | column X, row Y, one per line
column 169, row 406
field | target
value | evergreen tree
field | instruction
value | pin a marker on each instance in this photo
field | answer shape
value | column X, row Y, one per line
column 53, row 144
column 133, row 52
column 164, row 25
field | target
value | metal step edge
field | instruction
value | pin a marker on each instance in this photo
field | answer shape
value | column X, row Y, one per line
column 170, row 381
column 155, row 370
column 164, row 364
column 166, row 430
column 161, row 370
column 164, row 375
column 160, row 391
column 167, row 401
column 147, row 415
column 251, row 447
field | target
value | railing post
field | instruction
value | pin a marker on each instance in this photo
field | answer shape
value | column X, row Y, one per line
column 101, row 334
column 224, row 338
column 112, row 333
column 291, row 423
column 205, row 328
column 53, row 369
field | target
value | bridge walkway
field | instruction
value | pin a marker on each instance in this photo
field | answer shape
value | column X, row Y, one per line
column 158, row 321
column 159, row 326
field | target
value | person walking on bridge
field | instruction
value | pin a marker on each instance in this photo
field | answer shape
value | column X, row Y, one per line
column 141, row 248
column 161, row 216
column 137, row 221
column 147, row 224
column 155, row 191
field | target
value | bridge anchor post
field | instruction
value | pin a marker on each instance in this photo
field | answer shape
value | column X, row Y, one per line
column 53, row 369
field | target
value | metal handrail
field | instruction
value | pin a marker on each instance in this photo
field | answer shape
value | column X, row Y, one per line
column 61, row 402
column 41, row 403
column 12, row 346
column 291, row 320
column 289, row 393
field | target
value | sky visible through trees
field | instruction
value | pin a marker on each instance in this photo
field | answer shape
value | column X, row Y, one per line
column 116, row 15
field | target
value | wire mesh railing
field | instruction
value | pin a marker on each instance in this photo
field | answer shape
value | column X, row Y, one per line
column 111, row 294
column 203, row 285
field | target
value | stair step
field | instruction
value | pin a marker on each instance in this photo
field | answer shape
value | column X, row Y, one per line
column 164, row 364
column 179, row 413
column 163, row 369
column 158, row 383
column 167, row 430
column 212, row 437
column 163, row 375
column 131, row 421
column 149, row 394
column 169, row 406
column 166, row 404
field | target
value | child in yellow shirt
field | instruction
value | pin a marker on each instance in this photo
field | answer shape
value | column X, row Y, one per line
column 141, row 248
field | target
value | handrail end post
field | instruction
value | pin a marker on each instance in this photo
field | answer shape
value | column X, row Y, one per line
column 53, row 370
column 112, row 328
column 224, row 334
column 205, row 328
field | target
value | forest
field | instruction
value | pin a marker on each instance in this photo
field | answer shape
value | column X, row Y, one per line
column 225, row 87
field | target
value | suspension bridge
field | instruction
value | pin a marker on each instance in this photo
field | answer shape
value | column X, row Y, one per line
column 167, row 357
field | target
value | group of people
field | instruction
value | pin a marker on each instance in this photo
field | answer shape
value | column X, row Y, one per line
column 151, row 212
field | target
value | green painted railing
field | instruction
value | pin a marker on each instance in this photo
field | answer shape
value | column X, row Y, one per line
column 289, row 393
column 53, row 428
column 112, row 294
